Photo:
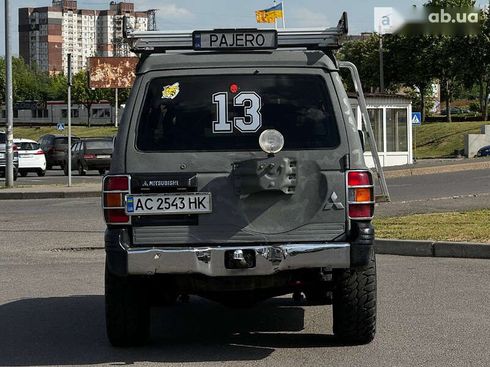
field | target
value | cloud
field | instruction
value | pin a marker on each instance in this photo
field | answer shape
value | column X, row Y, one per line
column 304, row 17
column 172, row 11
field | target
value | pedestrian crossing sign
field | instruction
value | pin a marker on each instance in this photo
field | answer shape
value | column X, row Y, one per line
column 416, row 118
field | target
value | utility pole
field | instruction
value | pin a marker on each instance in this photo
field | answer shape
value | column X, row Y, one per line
column 69, row 81
column 9, row 101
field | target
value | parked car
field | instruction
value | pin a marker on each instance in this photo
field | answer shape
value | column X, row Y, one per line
column 31, row 157
column 90, row 154
column 3, row 156
column 484, row 152
column 54, row 148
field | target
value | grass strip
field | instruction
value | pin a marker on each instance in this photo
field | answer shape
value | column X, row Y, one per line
column 35, row 133
column 470, row 226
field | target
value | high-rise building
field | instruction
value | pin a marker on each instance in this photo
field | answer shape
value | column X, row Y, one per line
column 48, row 34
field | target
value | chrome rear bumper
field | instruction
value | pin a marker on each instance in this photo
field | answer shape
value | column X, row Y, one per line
column 269, row 259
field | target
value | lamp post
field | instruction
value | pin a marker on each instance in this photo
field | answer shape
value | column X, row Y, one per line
column 9, row 101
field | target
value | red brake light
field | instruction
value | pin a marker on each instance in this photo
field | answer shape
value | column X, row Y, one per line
column 116, row 183
column 15, row 147
column 361, row 210
column 116, row 216
column 359, row 178
column 360, row 195
column 114, row 190
column 39, row 152
column 89, row 156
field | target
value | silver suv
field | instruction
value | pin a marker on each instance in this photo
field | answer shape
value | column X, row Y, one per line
column 238, row 175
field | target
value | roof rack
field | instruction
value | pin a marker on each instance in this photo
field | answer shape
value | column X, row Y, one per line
column 162, row 41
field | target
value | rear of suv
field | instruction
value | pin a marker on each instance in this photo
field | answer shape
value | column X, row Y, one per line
column 54, row 147
column 239, row 176
column 90, row 154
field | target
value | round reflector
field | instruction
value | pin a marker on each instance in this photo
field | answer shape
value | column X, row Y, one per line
column 271, row 141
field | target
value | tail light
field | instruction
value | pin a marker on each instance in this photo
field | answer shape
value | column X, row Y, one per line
column 113, row 192
column 360, row 191
column 89, row 156
column 15, row 147
column 39, row 152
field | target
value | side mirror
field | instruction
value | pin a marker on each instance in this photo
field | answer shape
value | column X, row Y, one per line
column 361, row 137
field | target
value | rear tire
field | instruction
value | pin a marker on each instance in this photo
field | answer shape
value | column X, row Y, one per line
column 354, row 303
column 41, row 173
column 127, row 309
column 101, row 171
column 65, row 169
column 23, row 173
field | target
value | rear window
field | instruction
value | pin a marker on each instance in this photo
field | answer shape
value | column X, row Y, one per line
column 27, row 146
column 99, row 144
column 228, row 113
column 64, row 140
column 3, row 138
column 59, row 141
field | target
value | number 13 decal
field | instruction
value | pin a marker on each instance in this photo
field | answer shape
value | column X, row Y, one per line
column 250, row 123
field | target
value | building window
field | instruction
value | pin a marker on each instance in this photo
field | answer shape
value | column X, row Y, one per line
column 100, row 113
column 4, row 113
column 396, row 130
column 39, row 113
column 74, row 113
column 376, row 118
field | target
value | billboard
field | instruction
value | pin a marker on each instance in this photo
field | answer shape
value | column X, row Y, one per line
column 112, row 72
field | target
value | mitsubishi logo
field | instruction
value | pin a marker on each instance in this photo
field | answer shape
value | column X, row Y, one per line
column 333, row 203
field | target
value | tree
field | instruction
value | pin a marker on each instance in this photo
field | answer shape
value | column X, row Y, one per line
column 57, row 88
column 448, row 54
column 83, row 94
column 364, row 53
column 477, row 66
column 408, row 63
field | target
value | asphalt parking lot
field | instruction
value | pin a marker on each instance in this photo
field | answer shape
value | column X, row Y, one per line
column 432, row 312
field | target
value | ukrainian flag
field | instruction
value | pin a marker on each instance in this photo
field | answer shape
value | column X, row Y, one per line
column 269, row 15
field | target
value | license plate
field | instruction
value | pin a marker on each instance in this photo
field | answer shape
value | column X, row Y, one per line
column 237, row 40
column 2, row 155
column 103, row 156
column 27, row 156
column 160, row 204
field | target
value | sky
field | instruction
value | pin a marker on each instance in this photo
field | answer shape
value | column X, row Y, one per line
column 208, row 14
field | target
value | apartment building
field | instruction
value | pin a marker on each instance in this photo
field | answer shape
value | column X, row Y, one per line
column 48, row 34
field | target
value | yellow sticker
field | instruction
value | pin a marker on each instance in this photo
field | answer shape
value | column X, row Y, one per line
column 171, row 91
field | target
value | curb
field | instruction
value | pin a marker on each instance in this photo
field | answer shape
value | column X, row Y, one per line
column 421, row 171
column 30, row 195
column 433, row 249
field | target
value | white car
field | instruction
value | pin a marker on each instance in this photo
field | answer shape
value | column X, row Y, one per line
column 31, row 157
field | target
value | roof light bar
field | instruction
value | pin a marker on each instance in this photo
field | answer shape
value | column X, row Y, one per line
column 161, row 41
